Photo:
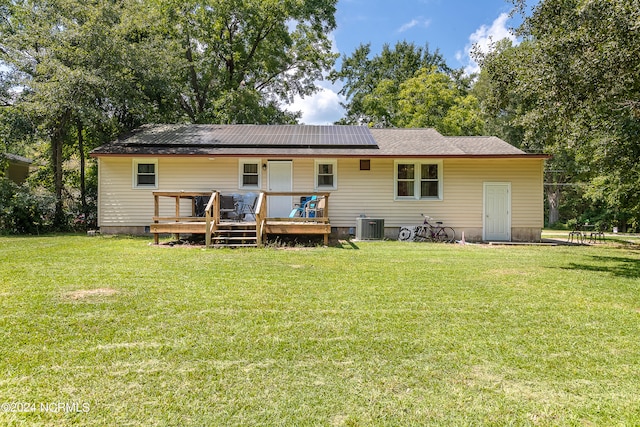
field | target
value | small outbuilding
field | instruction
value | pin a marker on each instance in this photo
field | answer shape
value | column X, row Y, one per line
column 17, row 167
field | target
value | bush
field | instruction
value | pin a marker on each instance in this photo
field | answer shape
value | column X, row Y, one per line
column 23, row 211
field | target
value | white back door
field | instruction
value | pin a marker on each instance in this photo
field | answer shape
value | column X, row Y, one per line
column 497, row 211
column 280, row 178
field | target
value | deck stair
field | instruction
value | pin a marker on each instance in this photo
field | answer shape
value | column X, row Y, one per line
column 235, row 235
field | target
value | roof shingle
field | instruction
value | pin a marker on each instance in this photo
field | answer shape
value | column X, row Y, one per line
column 302, row 141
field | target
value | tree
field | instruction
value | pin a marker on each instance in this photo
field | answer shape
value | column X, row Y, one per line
column 235, row 60
column 57, row 53
column 383, row 73
column 407, row 86
column 433, row 99
column 89, row 71
column 572, row 88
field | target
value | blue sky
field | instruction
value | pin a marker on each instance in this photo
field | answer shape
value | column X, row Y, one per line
column 451, row 26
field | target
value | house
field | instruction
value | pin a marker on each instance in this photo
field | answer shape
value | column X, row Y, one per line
column 481, row 186
column 17, row 167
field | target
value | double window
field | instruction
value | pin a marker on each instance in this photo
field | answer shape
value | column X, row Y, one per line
column 421, row 181
column 145, row 174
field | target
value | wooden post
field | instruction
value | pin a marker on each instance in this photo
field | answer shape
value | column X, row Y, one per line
column 177, row 235
column 156, row 210
column 325, row 214
column 260, row 217
column 207, row 214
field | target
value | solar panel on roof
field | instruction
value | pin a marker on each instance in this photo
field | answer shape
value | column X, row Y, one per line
column 294, row 136
column 263, row 136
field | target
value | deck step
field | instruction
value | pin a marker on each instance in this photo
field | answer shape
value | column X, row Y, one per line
column 237, row 245
column 219, row 237
column 235, row 235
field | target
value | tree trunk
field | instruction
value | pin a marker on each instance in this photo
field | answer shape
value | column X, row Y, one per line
column 83, row 186
column 58, row 137
column 553, row 198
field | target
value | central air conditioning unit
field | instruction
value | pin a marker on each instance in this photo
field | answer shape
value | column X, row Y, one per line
column 369, row 228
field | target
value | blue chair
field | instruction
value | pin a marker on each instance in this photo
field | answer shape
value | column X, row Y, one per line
column 300, row 211
column 314, row 208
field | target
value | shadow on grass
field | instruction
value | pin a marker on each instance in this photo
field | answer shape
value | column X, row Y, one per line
column 346, row 244
column 618, row 266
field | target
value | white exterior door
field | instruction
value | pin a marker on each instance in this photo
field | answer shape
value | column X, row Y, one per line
column 280, row 178
column 497, row 211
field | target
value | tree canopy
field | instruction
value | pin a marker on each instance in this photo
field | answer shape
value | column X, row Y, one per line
column 407, row 86
column 572, row 88
column 75, row 74
column 82, row 72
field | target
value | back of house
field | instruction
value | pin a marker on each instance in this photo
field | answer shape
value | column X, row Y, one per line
column 481, row 186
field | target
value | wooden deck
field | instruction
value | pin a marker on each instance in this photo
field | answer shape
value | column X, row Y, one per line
column 225, row 233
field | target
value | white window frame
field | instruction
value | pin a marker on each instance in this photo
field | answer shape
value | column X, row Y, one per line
column 134, row 181
column 316, row 173
column 418, row 179
column 241, row 184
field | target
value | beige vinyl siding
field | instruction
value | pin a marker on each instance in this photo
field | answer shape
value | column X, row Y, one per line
column 369, row 193
column 121, row 204
column 464, row 180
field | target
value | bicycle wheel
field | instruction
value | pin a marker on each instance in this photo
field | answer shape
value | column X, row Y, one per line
column 446, row 235
column 422, row 233
column 405, row 234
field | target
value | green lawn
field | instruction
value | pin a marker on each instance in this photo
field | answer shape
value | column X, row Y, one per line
column 112, row 331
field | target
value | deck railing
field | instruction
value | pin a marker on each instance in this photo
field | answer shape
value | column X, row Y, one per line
column 261, row 216
column 212, row 216
column 209, row 224
column 178, row 223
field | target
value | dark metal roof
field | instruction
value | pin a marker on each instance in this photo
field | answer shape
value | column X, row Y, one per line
column 302, row 141
column 254, row 136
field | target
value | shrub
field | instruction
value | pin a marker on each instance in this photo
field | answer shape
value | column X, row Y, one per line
column 23, row 210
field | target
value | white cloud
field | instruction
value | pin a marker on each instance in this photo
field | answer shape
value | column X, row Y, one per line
column 322, row 108
column 483, row 38
column 408, row 26
column 413, row 23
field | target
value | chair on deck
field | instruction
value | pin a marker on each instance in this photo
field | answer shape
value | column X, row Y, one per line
column 246, row 207
column 300, row 210
column 227, row 208
column 315, row 208
column 200, row 205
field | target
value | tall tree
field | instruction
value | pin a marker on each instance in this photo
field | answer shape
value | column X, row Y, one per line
column 90, row 70
column 362, row 75
column 236, row 60
column 433, row 99
column 407, row 86
column 49, row 50
column 577, row 89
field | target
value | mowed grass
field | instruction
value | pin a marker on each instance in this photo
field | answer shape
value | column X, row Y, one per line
column 379, row 333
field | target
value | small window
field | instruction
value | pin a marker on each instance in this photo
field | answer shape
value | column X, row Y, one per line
column 419, row 181
column 250, row 174
column 145, row 174
column 365, row 165
column 326, row 174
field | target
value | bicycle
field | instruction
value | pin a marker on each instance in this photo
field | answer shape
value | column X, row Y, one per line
column 428, row 232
